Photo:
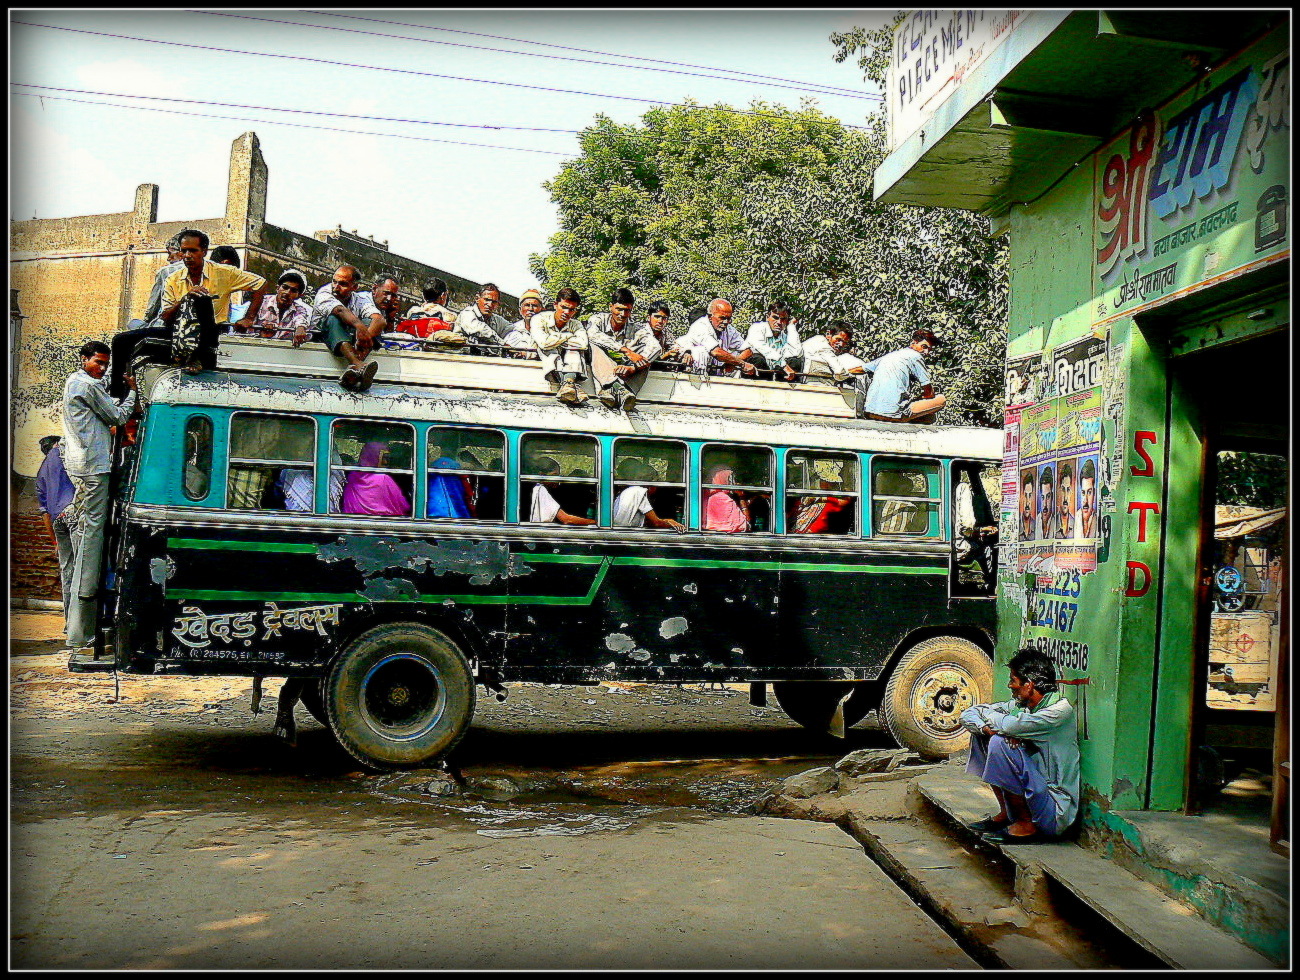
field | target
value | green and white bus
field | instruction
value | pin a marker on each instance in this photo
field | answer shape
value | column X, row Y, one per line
column 237, row 547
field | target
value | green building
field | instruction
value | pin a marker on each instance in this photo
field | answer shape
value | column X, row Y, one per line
column 1140, row 164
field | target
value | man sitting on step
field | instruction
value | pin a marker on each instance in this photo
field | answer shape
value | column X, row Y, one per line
column 1027, row 749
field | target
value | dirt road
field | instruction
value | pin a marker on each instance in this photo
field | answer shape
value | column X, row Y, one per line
column 165, row 827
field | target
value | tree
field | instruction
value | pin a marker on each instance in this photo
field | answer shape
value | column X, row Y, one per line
column 776, row 203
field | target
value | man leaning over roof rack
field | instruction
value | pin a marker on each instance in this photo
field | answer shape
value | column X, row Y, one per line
column 283, row 315
column 888, row 398
column 350, row 321
column 479, row 323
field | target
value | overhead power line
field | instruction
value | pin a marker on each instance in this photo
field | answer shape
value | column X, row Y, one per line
column 397, row 71
column 310, row 112
column 828, row 89
column 277, row 122
column 798, row 86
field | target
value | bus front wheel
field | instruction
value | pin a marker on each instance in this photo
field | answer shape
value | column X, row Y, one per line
column 932, row 685
column 400, row 696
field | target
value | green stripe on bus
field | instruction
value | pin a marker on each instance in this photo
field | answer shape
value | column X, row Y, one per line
column 777, row 565
column 469, row 600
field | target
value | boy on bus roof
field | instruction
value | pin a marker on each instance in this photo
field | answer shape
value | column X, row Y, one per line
column 888, row 398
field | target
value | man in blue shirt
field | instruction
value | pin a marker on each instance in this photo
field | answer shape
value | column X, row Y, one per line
column 889, row 398
column 54, row 492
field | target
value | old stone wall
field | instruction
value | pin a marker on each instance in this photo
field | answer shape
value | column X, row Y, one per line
column 33, row 559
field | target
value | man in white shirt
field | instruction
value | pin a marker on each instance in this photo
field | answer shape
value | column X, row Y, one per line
column 621, row 353
column 775, row 343
column 88, row 415
column 479, row 323
column 518, row 341
column 545, row 508
column 350, row 322
column 562, row 342
column 633, row 507
column 716, row 346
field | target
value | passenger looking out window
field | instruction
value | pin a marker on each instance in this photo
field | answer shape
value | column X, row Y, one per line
column 822, row 494
column 371, row 492
column 736, row 497
column 634, row 507
column 724, row 509
column 545, row 508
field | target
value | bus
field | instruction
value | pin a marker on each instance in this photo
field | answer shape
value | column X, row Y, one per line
column 237, row 547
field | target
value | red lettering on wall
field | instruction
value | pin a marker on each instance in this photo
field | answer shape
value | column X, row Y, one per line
column 1139, row 438
column 1133, row 589
column 1142, row 509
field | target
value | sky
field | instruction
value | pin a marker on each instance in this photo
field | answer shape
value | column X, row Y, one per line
column 475, row 211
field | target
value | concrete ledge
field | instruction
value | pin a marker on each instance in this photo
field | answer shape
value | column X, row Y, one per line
column 1166, row 928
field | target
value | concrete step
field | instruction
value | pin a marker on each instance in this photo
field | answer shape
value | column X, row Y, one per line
column 1167, row 929
column 963, row 891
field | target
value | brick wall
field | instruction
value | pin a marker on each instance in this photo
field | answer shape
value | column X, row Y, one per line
column 33, row 561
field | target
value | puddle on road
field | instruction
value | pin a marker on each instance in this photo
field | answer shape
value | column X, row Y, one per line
column 503, row 802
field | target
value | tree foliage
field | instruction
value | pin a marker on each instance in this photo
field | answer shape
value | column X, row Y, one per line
column 699, row 202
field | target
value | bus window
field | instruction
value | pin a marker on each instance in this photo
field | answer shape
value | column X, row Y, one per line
column 649, row 472
column 377, row 463
column 821, row 493
column 197, row 475
column 558, row 471
column 263, row 449
column 736, row 489
column 467, row 474
column 905, row 498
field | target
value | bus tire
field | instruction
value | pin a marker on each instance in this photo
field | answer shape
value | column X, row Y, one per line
column 313, row 699
column 400, row 696
column 811, row 703
column 934, row 682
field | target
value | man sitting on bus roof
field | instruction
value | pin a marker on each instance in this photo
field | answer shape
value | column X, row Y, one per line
column 888, row 398
column 561, row 340
column 716, row 346
column 479, row 323
column 350, row 321
column 775, row 343
column 545, row 508
column 283, row 315
column 621, row 353
column 518, row 341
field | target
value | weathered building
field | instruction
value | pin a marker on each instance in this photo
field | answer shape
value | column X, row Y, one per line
column 84, row 277
column 1140, row 164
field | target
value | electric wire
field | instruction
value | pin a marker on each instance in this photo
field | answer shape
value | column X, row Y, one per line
column 398, row 71
column 523, row 54
column 312, row 112
column 278, row 122
column 828, row 89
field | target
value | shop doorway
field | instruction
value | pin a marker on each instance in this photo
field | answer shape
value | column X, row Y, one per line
column 1240, row 753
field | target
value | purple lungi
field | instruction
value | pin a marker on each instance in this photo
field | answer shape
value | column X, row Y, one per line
column 1012, row 769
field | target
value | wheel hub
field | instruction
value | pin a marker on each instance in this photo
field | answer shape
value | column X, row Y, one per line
column 939, row 697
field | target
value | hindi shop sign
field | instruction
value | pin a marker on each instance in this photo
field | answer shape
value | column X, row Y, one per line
column 933, row 51
column 1198, row 191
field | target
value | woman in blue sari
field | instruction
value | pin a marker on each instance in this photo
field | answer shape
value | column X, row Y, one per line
column 448, row 493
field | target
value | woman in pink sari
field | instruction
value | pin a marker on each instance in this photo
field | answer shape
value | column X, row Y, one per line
column 722, row 512
column 374, row 493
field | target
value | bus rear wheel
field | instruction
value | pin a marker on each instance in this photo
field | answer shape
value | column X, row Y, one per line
column 812, row 703
column 400, row 696
column 932, row 685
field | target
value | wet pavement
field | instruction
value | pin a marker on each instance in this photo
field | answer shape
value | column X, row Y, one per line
column 156, row 822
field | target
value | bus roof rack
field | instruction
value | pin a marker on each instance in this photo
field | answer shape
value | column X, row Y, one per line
column 254, row 355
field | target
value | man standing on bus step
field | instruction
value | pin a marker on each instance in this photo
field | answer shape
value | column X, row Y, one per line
column 888, row 398
column 1027, row 749
column 775, row 343
column 716, row 347
column 54, row 493
column 88, row 414
column 201, row 277
column 621, row 353
column 562, row 342
column 479, row 323
column 350, row 322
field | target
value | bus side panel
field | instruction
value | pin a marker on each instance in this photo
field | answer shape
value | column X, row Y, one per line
column 277, row 601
